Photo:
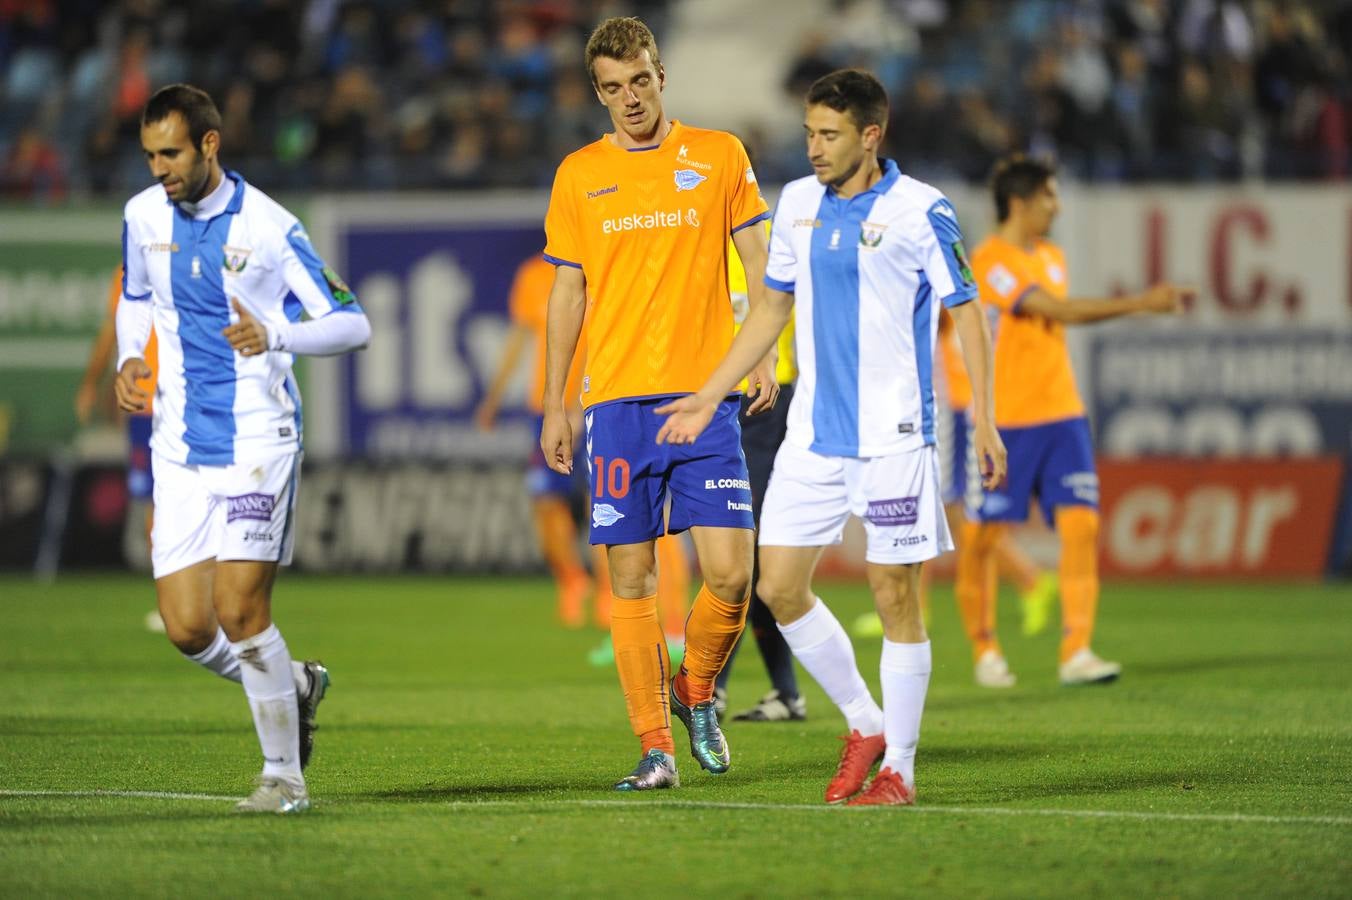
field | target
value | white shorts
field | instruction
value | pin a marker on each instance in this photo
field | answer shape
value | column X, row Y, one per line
column 811, row 497
column 239, row 511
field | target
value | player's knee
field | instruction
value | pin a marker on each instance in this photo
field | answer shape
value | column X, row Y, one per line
column 189, row 640
column 730, row 586
column 786, row 601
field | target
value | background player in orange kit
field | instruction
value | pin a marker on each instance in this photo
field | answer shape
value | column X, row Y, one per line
column 1040, row 415
column 638, row 226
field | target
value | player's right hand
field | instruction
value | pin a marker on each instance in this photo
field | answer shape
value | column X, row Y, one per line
column 486, row 416
column 85, row 399
column 686, row 420
column 556, row 441
column 130, row 397
column 1165, row 298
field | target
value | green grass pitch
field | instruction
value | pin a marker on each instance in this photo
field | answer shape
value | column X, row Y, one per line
column 466, row 748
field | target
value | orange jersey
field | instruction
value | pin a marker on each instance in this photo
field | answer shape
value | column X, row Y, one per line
column 956, row 382
column 1034, row 383
column 152, row 355
column 528, row 306
column 649, row 229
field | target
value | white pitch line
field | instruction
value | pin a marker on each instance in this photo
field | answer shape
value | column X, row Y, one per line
column 1223, row 818
column 143, row 795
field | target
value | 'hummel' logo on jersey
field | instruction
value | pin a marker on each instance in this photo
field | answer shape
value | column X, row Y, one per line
column 592, row 195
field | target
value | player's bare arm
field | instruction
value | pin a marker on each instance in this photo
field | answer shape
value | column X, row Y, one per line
column 690, row 415
column 1160, row 299
column 753, row 247
column 969, row 321
column 487, row 414
column 567, row 308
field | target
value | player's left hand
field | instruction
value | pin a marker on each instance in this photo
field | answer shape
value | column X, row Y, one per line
column 686, row 420
column 247, row 336
column 762, row 384
column 990, row 455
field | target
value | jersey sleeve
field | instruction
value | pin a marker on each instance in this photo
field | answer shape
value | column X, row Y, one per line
column 314, row 286
column 135, row 278
column 746, row 206
column 943, row 258
column 563, row 237
column 781, row 268
column 1002, row 283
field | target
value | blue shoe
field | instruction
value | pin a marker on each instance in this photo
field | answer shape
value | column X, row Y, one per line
column 657, row 769
column 707, row 743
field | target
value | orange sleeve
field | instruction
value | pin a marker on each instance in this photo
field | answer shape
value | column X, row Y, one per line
column 745, row 203
column 563, row 238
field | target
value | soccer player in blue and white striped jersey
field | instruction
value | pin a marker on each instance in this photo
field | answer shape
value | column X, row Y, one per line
column 226, row 276
column 862, row 256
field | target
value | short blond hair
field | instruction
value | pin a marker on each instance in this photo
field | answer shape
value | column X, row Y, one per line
column 622, row 38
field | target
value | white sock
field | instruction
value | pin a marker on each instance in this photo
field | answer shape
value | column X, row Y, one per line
column 824, row 649
column 218, row 657
column 905, row 671
column 269, row 683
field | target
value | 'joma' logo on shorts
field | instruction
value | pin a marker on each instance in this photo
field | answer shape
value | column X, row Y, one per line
column 250, row 506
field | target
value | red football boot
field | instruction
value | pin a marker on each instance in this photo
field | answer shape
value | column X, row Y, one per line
column 856, row 761
column 887, row 789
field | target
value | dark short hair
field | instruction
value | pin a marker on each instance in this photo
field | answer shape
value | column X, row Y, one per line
column 853, row 92
column 193, row 104
column 1018, row 176
column 622, row 38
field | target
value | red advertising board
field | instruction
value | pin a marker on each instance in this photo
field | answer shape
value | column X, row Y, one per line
column 1218, row 518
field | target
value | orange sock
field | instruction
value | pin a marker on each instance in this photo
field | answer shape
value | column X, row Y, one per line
column 641, row 660
column 976, row 584
column 601, row 574
column 710, row 634
column 1078, row 527
column 558, row 542
column 673, row 585
column 1013, row 564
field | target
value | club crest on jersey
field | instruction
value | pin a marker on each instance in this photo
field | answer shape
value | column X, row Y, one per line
column 871, row 234
column 236, row 259
column 604, row 514
column 688, row 179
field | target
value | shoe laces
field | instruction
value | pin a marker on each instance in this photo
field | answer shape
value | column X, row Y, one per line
column 854, row 748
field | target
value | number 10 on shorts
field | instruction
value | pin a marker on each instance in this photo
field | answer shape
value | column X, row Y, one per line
column 612, row 481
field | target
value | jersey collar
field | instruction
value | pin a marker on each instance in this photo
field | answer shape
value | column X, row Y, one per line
column 228, row 198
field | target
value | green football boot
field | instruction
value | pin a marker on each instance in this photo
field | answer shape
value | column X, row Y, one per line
column 707, row 743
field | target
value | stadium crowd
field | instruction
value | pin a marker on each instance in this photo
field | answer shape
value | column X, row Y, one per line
column 393, row 94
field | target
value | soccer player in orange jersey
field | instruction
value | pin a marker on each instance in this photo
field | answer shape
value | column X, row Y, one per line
column 1040, row 416
column 637, row 229
column 551, row 492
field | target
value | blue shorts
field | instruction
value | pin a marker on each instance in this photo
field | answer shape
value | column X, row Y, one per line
column 1054, row 461
column 631, row 474
column 541, row 480
column 140, row 481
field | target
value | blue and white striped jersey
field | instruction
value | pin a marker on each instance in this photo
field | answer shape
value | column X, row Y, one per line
column 867, row 273
column 214, row 406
